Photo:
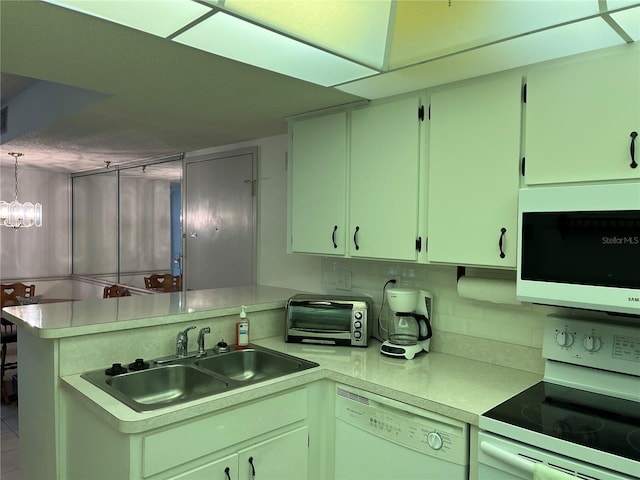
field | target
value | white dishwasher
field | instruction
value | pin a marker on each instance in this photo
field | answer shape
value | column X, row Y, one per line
column 380, row 438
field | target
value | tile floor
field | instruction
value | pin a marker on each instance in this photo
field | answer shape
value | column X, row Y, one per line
column 9, row 452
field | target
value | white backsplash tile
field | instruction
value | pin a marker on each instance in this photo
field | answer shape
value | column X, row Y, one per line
column 512, row 325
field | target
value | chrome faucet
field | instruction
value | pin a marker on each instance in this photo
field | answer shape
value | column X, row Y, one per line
column 182, row 343
column 203, row 331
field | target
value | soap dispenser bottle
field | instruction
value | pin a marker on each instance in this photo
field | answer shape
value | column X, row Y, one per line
column 242, row 330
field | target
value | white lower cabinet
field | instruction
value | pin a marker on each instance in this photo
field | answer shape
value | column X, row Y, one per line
column 282, row 457
column 270, row 436
column 222, row 469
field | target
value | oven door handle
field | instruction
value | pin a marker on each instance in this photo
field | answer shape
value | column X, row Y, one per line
column 507, row 457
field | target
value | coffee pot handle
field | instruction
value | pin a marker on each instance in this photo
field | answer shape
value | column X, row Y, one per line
column 424, row 328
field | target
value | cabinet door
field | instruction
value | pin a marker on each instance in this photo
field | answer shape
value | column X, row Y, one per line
column 473, row 172
column 279, row 458
column 318, row 185
column 384, row 180
column 579, row 118
column 223, row 469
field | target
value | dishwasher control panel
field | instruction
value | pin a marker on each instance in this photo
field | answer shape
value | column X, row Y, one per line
column 426, row 432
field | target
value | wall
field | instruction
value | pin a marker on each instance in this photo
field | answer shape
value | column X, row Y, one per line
column 508, row 335
column 274, row 266
column 37, row 252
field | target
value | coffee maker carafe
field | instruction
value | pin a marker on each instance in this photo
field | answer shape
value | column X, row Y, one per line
column 409, row 326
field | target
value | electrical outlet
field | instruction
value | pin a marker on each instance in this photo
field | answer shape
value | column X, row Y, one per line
column 343, row 280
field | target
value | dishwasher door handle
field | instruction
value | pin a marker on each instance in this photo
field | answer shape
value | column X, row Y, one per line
column 507, row 457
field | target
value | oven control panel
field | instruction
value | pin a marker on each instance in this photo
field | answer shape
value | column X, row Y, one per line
column 602, row 345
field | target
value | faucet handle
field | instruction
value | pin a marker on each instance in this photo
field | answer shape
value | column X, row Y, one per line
column 182, row 342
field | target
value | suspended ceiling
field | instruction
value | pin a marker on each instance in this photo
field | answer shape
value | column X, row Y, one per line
column 124, row 85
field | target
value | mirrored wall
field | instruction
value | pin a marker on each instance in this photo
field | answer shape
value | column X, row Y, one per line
column 127, row 222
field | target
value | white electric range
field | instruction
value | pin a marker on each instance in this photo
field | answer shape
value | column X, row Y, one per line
column 583, row 419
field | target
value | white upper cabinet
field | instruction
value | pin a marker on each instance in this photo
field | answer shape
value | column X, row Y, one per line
column 580, row 117
column 385, row 180
column 360, row 201
column 474, row 147
column 318, row 176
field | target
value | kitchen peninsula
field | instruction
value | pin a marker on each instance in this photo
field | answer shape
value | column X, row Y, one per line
column 58, row 342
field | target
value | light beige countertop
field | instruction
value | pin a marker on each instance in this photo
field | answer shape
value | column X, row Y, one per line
column 69, row 319
column 457, row 387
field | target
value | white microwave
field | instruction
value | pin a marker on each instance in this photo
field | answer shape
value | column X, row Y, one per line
column 579, row 246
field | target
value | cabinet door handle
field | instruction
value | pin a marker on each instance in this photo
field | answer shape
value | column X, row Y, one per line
column 253, row 468
column 632, row 149
column 333, row 236
column 227, row 474
column 355, row 238
column 502, row 232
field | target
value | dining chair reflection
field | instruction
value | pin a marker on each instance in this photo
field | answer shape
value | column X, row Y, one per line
column 115, row 291
column 163, row 282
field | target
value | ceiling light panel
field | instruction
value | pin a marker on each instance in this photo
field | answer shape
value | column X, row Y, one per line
column 614, row 4
column 431, row 29
column 629, row 20
column 354, row 29
column 245, row 42
column 570, row 39
column 158, row 17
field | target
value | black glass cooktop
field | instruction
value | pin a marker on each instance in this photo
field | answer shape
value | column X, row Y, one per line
column 597, row 421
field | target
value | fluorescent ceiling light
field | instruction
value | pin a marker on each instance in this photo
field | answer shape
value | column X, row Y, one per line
column 629, row 20
column 354, row 29
column 570, row 39
column 245, row 42
column 158, row 17
column 428, row 30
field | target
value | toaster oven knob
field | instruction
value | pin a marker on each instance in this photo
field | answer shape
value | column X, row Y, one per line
column 357, row 334
column 358, row 315
column 357, row 325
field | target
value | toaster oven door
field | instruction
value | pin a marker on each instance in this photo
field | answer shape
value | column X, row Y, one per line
column 320, row 320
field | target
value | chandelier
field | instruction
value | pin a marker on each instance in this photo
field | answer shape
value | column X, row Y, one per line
column 20, row 215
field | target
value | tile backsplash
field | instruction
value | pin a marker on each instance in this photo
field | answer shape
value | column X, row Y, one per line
column 477, row 327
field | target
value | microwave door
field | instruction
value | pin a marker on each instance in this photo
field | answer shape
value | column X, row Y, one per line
column 584, row 248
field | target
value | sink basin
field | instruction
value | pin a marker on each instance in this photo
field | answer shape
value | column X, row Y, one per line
column 252, row 365
column 167, row 384
column 159, row 387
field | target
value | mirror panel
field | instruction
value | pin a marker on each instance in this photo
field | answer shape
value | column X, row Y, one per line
column 94, row 226
column 141, row 237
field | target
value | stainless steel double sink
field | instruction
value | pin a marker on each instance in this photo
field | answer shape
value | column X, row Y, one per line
column 183, row 380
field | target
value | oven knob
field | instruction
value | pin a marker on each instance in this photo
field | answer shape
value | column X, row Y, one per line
column 434, row 440
column 357, row 325
column 564, row 338
column 357, row 334
column 358, row 315
column 592, row 344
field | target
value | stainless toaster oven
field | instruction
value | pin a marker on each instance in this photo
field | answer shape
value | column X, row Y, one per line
column 328, row 319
